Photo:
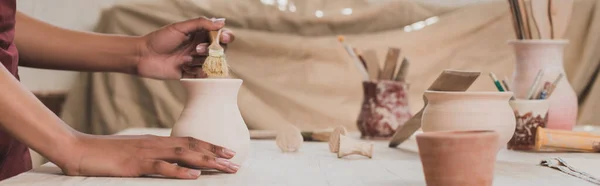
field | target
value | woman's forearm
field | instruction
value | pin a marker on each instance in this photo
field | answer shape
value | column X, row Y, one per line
column 42, row 45
column 23, row 116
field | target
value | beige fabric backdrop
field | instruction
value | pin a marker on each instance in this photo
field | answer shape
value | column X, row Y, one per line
column 295, row 71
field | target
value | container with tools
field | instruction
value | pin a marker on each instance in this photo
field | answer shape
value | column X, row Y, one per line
column 385, row 106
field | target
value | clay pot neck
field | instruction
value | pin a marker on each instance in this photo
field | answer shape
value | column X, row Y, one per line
column 539, row 53
column 440, row 96
column 212, row 87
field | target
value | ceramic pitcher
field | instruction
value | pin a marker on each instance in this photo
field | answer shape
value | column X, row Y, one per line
column 461, row 111
column 211, row 114
column 534, row 55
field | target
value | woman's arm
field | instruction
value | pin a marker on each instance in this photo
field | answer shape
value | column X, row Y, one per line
column 28, row 120
column 42, row 45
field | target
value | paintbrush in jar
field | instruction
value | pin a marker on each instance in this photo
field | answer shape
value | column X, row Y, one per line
column 496, row 82
column 354, row 58
column 215, row 65
column 555, row 83
column 534, row 86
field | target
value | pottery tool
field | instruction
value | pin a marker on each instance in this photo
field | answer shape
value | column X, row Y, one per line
column 524, row 19
column 354, row 58
column 507, row 87
column 372, row 64
column 496, row 82
column 560, row 13
column 391, row 60
column 516, row 18
column 215, row 64
column 534, row 86
column 316, row 135
column 334, row 139
column 562, row 165
column 555, row 83
column 348, row 146
column 565, row 140
column 449, row 80
column 541, row 15
column 403, row 71
column 533, row 29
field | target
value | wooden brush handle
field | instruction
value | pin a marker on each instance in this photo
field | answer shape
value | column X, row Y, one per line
column 215, row 37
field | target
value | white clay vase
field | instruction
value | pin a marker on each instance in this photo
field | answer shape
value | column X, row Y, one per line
column 211, row 114
column 463, row 111
column 533, row 55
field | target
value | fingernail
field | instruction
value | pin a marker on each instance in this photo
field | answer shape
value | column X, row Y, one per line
column 225, row 38
column 194, row 173
column 218, row 20
column 223, row 162
column 234, row 167
column 201, row 48
column 229, row 152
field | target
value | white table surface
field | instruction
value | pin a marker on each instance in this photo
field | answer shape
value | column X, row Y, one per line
column 315, row 165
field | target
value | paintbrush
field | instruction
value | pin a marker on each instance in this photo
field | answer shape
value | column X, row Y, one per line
column 215, row 64
column 555, row 83
column 507, row 87
column 496, row 82
column 534, row 86
column 316, row 135
column 354, row 58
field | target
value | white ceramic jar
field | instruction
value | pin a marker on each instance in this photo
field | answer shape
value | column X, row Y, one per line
column 211, row 114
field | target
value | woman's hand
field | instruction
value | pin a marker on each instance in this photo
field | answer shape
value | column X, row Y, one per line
column 133, row 156
column 168, row 52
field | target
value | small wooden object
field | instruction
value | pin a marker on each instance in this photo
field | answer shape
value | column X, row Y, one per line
column 560, row 13
column 541, row 16
column 449, row 80
column 334, row 139
column 349, row 146
column 389, row 67
column 564, row 140
column 372, row 64
column 403, row 71
column 289, row 139
column 317, row 135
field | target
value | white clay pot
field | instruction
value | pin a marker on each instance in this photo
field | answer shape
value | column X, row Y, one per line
column 211, row 114
column 535, row 55
column 462, row 111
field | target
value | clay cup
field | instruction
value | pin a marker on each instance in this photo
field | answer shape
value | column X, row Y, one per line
column 458, row 158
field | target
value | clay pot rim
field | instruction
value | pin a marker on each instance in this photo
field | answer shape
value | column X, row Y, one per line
column 211, row 79
column 473, row 93
column 539, row 41
column 458, row 134
column 529, row 101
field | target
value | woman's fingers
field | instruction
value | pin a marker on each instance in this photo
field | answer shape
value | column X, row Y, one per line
column 201, row 50
column 195, row 159
column 163, row 168
column 227, row 36
column 195, row 145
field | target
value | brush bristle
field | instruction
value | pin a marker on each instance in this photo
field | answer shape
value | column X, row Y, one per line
column 215, row 67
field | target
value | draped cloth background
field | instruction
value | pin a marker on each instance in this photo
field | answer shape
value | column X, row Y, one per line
column 295, row 72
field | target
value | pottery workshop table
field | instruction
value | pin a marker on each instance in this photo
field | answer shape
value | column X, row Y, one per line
column 315, row 165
